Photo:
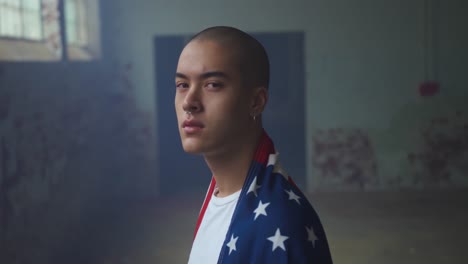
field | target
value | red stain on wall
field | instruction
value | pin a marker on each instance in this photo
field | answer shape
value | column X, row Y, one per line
column 445, row 142
column 427, row 89
column 344, row 156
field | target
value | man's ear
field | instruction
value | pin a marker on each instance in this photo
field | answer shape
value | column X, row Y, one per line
column 259, row 100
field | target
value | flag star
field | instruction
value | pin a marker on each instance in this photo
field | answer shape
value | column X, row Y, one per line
column 278, row 240
column 293, row 196
column 279, row 169
column 312, row 237
column 261, row 209
column 232, row 244
column 253, row 187
column 272, row 159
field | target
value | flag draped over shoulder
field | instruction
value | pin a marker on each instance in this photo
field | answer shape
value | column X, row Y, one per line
column 273, row 221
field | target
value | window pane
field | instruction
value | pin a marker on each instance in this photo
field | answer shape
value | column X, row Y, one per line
column 13, row 23
column 32, row 4
column 32, row 25
column 3, row 14
column 71, row 23
column 32, row 22
column 82, row 23
column 71, row 33
column 13, row 3
column 10, row 18
column 70, row 10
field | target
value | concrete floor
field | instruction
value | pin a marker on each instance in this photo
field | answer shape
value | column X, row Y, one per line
column 389, row 227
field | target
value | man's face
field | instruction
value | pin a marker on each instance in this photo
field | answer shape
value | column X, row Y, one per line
column 208, row 84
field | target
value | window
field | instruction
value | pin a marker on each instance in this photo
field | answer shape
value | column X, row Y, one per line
column 75, row 16
column 30, row 30
column 21, row 19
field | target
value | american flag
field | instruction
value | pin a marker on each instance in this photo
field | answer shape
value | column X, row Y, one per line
column 273, row 221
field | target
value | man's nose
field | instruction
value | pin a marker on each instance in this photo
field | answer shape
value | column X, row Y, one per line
column 192, row 101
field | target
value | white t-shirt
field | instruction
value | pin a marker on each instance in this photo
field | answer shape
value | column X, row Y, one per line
column 213, row 229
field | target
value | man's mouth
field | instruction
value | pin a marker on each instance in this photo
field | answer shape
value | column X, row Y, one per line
column 192, row 126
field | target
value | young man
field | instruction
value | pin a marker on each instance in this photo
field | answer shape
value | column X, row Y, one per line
column 253, row 212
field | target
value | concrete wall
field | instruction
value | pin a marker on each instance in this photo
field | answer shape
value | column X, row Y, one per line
column 364, row 60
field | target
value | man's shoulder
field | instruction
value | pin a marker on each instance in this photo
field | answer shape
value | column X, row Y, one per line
column 281, row 223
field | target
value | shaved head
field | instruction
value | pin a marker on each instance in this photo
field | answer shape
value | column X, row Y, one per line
column 250, row 54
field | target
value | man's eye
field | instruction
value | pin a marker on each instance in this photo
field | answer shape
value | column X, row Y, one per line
column 214, row 85
column 182, row 85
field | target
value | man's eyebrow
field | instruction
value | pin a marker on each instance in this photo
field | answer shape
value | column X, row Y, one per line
column 214, row 74
column 181, row 75
column 204, row 75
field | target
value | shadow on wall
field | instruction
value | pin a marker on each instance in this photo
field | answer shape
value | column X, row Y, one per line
column 66, row 144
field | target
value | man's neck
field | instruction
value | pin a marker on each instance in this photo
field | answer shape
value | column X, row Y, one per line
column 231, row 167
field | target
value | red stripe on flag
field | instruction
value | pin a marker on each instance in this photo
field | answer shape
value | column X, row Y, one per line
column 264, row 149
